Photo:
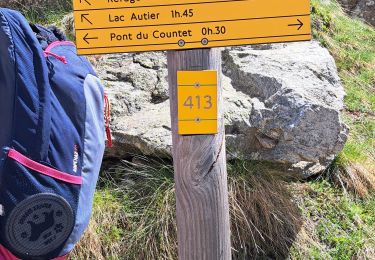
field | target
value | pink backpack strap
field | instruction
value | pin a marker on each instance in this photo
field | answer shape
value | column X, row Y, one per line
column 6, row 255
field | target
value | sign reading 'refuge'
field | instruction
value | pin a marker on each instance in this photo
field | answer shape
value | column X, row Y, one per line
column 109, row 26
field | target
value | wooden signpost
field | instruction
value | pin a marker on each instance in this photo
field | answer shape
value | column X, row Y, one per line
column 111, row 26
column 200, row 170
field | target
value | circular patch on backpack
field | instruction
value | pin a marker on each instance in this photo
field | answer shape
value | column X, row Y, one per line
column 39, row 225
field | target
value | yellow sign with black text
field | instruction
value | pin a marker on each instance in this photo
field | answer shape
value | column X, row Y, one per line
column 110, row 26
column 197, row 102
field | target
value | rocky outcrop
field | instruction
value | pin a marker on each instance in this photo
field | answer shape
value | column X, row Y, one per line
column 364, row 9
column 297, row 98
column 282, row 104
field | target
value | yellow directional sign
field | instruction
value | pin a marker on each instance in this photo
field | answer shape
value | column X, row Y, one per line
column 108, row 26
column 197, row 102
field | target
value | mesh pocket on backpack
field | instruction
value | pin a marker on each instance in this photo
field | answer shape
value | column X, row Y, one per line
column 39, row 205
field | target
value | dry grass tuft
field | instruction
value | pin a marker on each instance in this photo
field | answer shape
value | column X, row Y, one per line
column 67, row 24
column 271, row 218
column 307, row 237
column 354, row 178
column 102, row 239
column 264, row 219
column 134, row 215
column 90, row 246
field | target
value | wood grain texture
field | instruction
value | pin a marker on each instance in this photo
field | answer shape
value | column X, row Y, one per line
column 200, row 171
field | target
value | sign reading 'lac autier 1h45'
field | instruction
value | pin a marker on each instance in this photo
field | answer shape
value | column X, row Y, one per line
column 108, row 26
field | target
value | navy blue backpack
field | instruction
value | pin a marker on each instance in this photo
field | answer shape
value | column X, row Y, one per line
column 52, row 139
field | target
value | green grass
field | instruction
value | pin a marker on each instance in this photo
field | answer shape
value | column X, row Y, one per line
column 134, row 216
column 43, row 12
column 344, row 226
column 109, row 200
column 352, row 43
column 361, row 146
column 134, row 213
column 50, row 17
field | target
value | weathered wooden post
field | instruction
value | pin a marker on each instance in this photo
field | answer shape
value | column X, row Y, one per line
column 200, row 170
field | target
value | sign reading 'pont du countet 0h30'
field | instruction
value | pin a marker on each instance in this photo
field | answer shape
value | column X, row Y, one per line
column 111, row 26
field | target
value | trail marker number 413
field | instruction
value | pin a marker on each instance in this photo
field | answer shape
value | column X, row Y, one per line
column 189, row 102
column 197, row 102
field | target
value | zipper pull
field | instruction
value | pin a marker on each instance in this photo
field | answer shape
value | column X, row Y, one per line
column 60, row 58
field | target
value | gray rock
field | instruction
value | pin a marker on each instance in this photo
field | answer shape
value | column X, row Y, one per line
column 67, row 24
column 282, row 104
column 297, row 98
column 364, row 9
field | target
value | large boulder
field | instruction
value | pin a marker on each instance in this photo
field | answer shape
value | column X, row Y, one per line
column 282, row 105
column 364, row 9
column 297, row 98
